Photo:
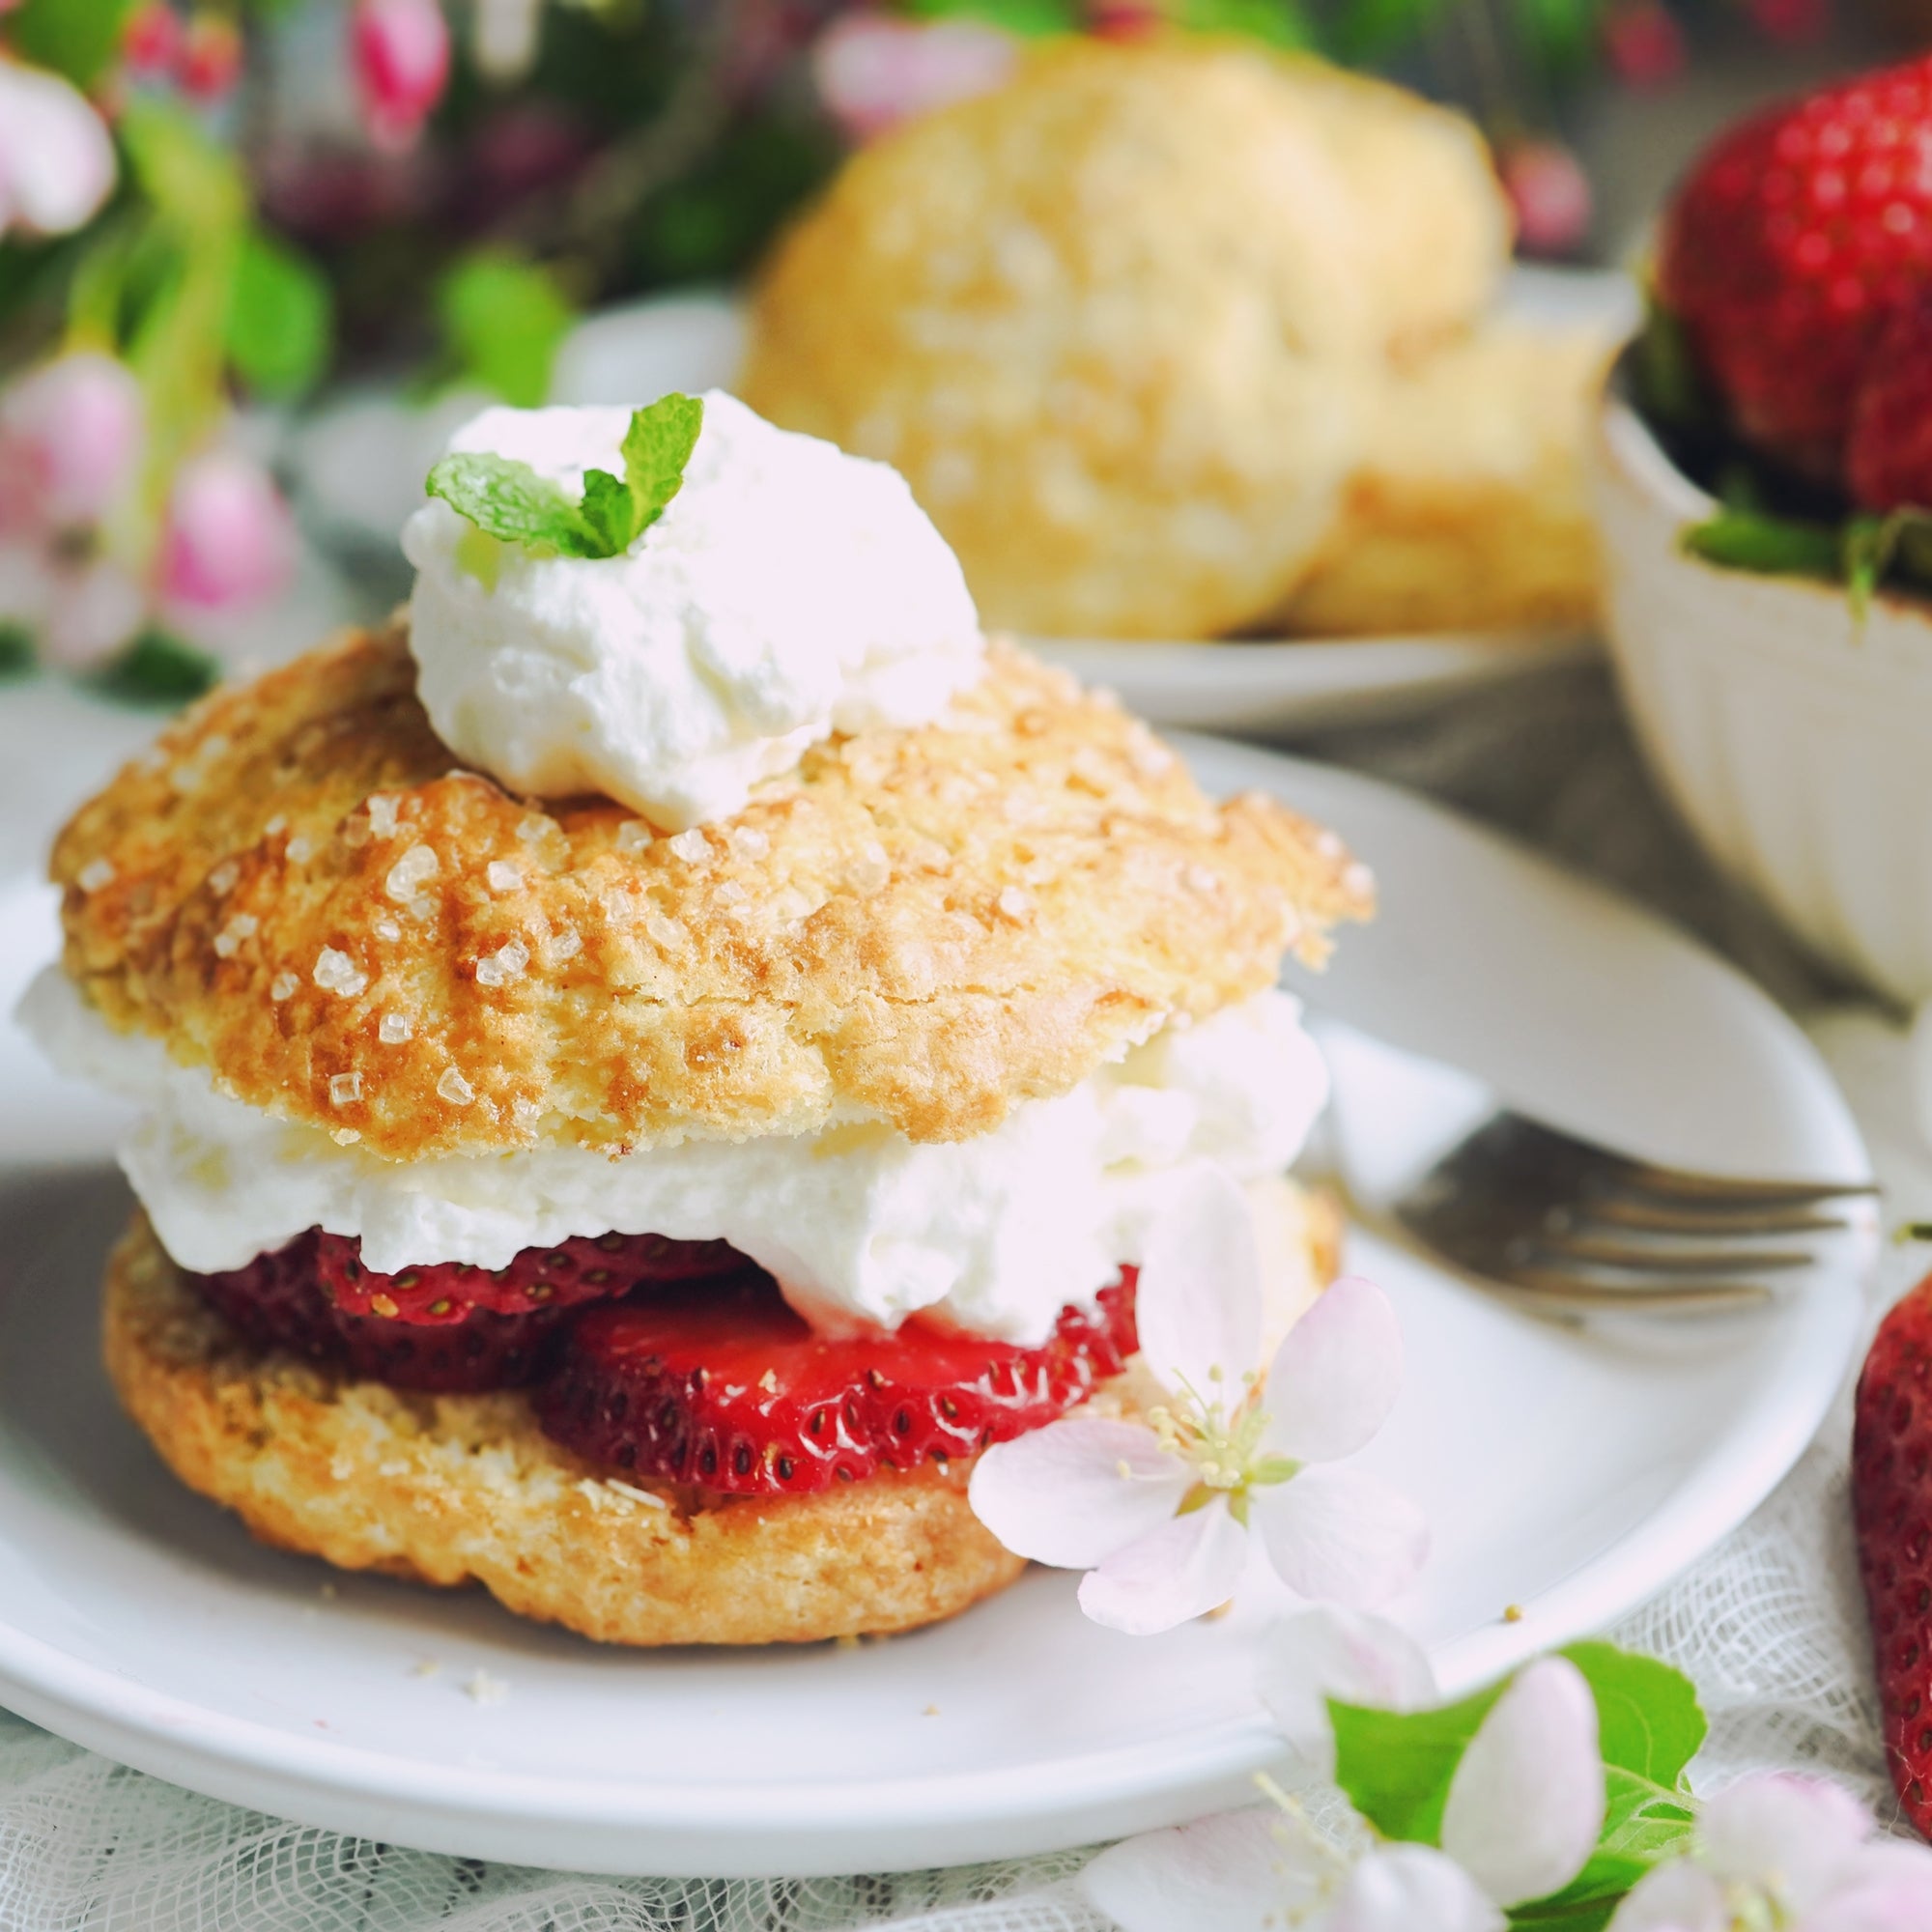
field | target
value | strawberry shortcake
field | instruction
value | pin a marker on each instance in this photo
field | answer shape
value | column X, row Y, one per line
column 652, row 1060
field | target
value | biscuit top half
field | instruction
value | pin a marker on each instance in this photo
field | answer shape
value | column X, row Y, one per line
column 919, row 926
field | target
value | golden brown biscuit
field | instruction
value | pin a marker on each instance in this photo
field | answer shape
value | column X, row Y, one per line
column 1469, row 510
column 1108, row 319
column 450, row 1488
column 920, row 926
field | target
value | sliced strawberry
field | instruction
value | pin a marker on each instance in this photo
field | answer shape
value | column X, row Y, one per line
column 725, row 1387
column 1891, row 1506
column 586, row 1268
column 278, row 1302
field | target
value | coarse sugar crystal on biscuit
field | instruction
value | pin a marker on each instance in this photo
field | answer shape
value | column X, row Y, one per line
column 921, row 927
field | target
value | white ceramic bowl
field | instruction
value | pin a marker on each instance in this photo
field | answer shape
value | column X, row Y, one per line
column 1796, row 743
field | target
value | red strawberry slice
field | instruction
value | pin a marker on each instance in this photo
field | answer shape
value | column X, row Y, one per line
column 725, row 1387
column 278, row 1302
column 1791, row 243
column 586, row 1268
column 1888, row 458
column 1891, row 1506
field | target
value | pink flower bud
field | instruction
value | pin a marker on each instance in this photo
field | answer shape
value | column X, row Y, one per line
column 1551, row 194
column 152, row 43
column 1645, row 44
column 56, row 161
column 399, row 50
column 228, row 541
column 211, row 58
column 874, row 72
column 69, row 440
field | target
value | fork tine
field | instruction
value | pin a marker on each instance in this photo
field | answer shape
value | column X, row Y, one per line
column 1717, row 1190
column 1563, row 1294
column 1639, row 1258
column 1653, row 1217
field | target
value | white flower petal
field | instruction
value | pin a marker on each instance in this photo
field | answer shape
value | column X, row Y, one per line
column 1074, row 1493
column 1338, row 1535
column 56, row 159
column 1527, row 1800
column 1408, row 1888
column 1242, row 1871
column 1890, row 1891
column 1329, row 1652
column 1807, row 1831
column 1335, row 1378
column 1198, row 1304
column 1183, row 1569
column 1678, row 1897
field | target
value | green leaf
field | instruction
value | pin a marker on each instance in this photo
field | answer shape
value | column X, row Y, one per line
column 1648, row 1716
column 1396, row 1766
column 510, row 501
column 189, row 176
column 503, row 319
column 1280, row 24
column 1669, row 387
column 1644, row 1825
column 16, row 651
column 657, row 447
column 77, row 37
column 280, row 318
column 1029, row 18
column 1771, row 546
column 158, row 669
column 1370, row 30
column 609, row 511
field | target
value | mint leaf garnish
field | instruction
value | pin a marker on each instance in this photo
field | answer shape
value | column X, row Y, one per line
column 511, row 502
column 507, row 499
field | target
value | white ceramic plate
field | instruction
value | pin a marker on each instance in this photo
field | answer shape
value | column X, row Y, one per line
column 1566, row 1473
column 694, row 341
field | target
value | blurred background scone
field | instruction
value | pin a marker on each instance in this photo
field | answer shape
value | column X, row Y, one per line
column 1467, row 509
column 1111, row 321
column 1184, row 338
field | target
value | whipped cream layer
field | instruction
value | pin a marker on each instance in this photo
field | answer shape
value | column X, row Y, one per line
column 788, row 591
column 862, row 1226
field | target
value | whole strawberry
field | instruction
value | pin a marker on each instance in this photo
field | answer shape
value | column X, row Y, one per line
column 1892, row 1505
column 1889, row 454
column 1793, row 242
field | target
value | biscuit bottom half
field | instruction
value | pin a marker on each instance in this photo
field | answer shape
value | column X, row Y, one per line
column 461, row 1489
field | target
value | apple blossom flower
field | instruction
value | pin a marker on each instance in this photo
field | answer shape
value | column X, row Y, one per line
column 56, row 161
column 1157, row 1512
column 874, row 72
column 227, row 542
column 1794, row 1852
column 70, row 435
column 1525, row 1808
column 399, row 53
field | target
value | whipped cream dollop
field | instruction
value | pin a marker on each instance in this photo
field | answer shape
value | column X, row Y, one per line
column 786, row 592
column 862, row 1226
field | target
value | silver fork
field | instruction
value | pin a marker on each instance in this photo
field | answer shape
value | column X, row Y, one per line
column 1573, row 1228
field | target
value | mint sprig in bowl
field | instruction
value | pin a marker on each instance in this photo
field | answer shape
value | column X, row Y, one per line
column 1774, row 644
